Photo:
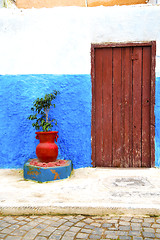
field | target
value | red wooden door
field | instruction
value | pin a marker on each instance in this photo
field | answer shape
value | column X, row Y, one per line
column 123, row 105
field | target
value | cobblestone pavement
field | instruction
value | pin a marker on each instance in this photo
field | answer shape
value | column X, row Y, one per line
column 78, row 227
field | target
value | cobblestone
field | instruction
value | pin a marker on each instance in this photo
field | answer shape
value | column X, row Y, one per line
column 78, row 227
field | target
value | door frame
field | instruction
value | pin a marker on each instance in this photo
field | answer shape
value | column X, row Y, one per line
column 151, row 44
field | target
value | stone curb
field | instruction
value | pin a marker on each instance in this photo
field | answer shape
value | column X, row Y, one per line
column 72, row 209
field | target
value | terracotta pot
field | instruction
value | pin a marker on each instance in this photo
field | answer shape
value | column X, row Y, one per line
column 47, row 150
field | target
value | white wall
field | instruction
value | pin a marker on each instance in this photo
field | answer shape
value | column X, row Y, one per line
column 58, row 40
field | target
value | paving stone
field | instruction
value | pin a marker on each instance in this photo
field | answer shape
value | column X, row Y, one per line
column 80, row 224
column 18, row 232
column 26, row 227
column 59, row 232
column 41, row 226
column 50, row 229
column 67, row 237
column 12, row 221
column 94, row 236
column 106, row 225
column 68, row 224
column 112, row 237
column 70, row 234
column 96, row 224
column 63, row 228
column 124, row 227
column 33, row 223
column 82, row 235
column 13, row 238
column 7, row 230
column 137, row 238
column 158, row 220
column 88, row 220
column 31, row 233
column 134, row 233
column 55, row 224
column 74, row 220
column 151, row 220
column 45, row 233
column 40, row 238
column 136, row 226
column 13, row 226
column 149, row 234
column 137, row 220
column 112, row 221
column 47, row 221
column 22, row 222
column 111, row 233
column 75, row 229
column 39, row 219
column 146, row 224
column 54, row 237
column 148, row 238
column 3, row 235
column 84, row 230
column 126, row 219
column 124, row 223
column 156, row 225
column 62, row 221
column 122, row 233
column 125, row 237
column 157, row 235
column 4, row 224
column 97, row 231
column 148, row 230
column 80, row 217
column 89, row 226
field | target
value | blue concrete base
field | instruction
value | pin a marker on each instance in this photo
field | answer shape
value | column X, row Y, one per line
column 45, row 174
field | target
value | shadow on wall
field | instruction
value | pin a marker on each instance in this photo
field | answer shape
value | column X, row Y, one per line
column 73, row 114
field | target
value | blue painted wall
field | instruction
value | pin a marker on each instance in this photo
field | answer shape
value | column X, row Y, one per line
column 157, row 123
column 73, row 114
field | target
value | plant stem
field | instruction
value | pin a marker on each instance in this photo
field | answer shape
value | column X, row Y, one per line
column 46, row 112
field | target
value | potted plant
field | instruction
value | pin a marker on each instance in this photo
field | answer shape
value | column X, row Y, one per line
column 46, row 150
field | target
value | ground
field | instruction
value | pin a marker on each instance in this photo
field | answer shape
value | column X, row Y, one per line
column 71, row 227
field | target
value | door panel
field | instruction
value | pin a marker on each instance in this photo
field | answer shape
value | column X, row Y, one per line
column 121, row 112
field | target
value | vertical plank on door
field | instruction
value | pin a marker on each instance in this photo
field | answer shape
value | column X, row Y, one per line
column 127, row 106
column 117, row 101
column 146, row 89
column 98, row 106
column 107, row 107
column 137, row 74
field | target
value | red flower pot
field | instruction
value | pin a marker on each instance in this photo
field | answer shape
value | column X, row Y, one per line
column 47, row 150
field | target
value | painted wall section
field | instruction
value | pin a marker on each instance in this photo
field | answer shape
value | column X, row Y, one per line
column 58, row 40
column 45, row 49
column 73, row 114
column 81, row 3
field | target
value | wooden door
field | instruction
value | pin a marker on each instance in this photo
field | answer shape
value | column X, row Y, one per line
column 123, row 105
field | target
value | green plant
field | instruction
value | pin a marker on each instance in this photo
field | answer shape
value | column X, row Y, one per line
column 41, row 107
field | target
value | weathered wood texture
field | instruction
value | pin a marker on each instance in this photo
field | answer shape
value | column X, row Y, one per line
column 123, row 105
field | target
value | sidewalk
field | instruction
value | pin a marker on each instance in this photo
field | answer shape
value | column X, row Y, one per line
column 89, row 191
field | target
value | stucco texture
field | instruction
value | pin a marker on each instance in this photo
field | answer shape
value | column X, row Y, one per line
column 73, row 114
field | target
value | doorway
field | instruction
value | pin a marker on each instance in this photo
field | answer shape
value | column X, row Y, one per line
column 123, row 98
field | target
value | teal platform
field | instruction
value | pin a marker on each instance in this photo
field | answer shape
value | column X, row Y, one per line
column 45, row 174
